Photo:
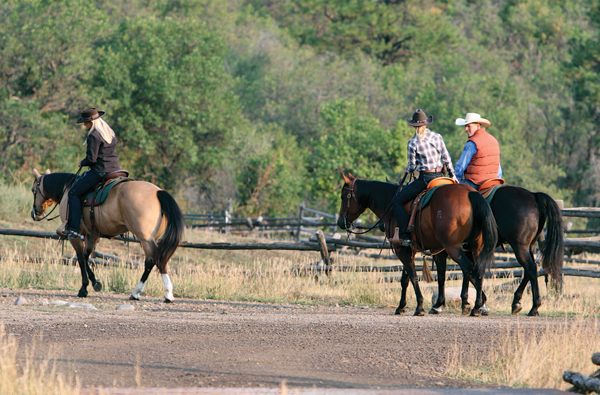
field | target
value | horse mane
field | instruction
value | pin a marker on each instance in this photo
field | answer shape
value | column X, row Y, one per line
column 378, row 193
column 54, row 183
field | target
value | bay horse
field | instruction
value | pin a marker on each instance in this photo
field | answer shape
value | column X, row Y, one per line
column 139, row 207
column 455, row 215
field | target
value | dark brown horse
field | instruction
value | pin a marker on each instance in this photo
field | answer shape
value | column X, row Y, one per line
column 520, row 216
column 455, row 215
column 140, row 207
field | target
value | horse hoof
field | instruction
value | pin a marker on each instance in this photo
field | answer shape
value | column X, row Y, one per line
column 533, row 313
column 168, row 300
column 399, row 312
column 484, row 310
column 475, row 313
column 435, row 310
column 82, row 293
column 516, row 309
column 97, row 286
column 419, row 313
column 466, row 310
column 131, row 297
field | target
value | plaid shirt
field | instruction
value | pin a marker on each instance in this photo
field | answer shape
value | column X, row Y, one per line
column 429, row 153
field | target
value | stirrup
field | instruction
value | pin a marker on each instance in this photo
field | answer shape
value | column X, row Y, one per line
column 71, row 234
column 396, row 241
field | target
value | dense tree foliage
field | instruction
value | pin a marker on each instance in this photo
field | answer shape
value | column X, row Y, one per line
column 266, row 102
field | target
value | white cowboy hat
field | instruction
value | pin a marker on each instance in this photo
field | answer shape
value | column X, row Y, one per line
column 473, row 118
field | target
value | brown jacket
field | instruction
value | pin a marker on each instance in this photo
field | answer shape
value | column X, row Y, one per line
column 485, row 163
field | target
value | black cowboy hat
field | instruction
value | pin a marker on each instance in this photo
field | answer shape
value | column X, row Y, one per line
column 90, row 114
column 419, row 118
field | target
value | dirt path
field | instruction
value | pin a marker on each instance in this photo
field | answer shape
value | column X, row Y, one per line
column 193, row 343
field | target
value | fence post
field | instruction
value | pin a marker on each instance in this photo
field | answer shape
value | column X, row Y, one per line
column 228, row 215
column 300, row 221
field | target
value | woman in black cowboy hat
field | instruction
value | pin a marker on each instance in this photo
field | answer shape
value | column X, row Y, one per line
column 101, row 157
column 427, row 154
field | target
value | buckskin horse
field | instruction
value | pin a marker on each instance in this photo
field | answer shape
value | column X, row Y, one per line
column 456, row 214
column 140, row 207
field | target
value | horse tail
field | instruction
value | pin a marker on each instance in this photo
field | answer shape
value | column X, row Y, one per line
column 173, row 233
column 484, row 224
column 552, row 248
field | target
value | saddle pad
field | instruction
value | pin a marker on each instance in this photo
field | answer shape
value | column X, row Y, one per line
column 489, row 192
column 428, row 193
column 100, row 192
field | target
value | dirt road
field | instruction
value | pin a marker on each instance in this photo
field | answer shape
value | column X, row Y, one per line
column 193, row 343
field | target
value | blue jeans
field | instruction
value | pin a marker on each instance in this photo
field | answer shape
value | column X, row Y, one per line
column 83, row 185
column 407, row 194
column 470, row 183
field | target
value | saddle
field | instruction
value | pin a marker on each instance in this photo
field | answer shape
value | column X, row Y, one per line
column 99, row 193
column 489, row 188
column 424, row 197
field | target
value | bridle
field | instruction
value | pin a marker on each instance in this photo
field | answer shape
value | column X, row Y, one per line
column 37, row 188
column 352, row 195
column 349, row 196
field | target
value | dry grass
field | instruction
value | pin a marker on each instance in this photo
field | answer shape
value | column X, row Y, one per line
column 525, row 358
column 28, row 375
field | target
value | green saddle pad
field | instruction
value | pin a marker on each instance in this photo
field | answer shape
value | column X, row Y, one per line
column 100, row 192
column 425, row 199
column 491, row 195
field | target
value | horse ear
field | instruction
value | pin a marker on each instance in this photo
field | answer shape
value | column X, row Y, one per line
column 346, row 179
column 351, row 176
column 47, row 171
column 36, row 174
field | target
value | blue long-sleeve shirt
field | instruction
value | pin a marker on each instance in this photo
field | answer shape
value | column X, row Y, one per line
column 465, row 159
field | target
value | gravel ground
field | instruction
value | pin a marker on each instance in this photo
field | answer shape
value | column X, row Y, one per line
column 198, row 343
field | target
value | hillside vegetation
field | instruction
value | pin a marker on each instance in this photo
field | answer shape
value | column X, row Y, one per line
column 266, row 102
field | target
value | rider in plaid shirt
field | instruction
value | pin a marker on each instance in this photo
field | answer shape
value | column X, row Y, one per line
column 427, row 153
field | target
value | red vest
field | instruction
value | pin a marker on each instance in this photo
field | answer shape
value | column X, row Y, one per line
column 486, row 161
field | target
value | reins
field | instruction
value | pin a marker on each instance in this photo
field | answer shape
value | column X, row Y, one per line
column 56, row 201
column 389, row 206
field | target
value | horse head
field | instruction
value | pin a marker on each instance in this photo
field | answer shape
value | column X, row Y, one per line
column 350, row 208
column 40, row 201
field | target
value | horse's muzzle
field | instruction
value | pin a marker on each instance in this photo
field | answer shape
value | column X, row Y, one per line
column 342, row 223
column 35, row 216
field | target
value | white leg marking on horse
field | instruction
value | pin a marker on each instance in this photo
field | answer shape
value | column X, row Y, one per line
column 138, row 290
column 168, row 286
column 439, row 214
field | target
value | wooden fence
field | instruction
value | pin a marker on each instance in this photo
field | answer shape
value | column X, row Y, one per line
column 326, row 245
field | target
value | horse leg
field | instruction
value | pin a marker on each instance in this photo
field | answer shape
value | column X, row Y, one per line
column 148, row 266
column 83, row 266
column 484, row 310
column 525, row 257
column 91, row 244
column 150, row 249
column 440, row 263
column 404, row 286
column 467, row 267
column 408, row 260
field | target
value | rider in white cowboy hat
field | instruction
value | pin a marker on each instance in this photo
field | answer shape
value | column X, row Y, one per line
column 480, row 159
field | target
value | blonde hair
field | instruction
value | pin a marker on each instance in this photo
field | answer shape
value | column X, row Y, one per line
column 420, row 131
column 103, row 128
